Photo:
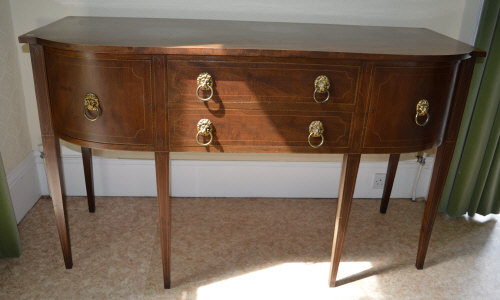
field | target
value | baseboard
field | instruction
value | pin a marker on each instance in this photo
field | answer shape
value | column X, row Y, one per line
column 24, row 186
column 194, row 178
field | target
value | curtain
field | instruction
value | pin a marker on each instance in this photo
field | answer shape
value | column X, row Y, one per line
column 10, row 244
column 474, row 178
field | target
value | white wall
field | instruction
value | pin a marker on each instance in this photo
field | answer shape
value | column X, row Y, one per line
column 455, row 18
column 15, row 142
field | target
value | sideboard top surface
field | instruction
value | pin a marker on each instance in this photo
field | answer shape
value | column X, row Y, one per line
column 216, row 37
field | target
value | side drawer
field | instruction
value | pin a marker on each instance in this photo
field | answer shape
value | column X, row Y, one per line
column 264, row 82
column 394, row 95
column 260, row 131
column 122, row 85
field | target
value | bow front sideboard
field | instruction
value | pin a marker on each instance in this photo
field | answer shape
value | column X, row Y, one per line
column 173, row 85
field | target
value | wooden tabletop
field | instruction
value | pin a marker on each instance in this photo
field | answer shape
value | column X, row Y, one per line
column 183, row 36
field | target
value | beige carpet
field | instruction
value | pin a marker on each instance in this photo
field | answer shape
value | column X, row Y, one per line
column 251, row 249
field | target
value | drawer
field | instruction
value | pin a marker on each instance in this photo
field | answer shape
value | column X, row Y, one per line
column 122, row 86
column 265, row 82
column 394, row 96
column 259, row 131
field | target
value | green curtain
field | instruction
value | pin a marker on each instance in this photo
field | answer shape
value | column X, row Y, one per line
column 474, row 177
column 10, row 244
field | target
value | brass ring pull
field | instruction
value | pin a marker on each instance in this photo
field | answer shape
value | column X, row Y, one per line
column 204, row 128
column 205, row 83
column 316, row 129
column 422, row 110
column 91, row 103
column 321, row 85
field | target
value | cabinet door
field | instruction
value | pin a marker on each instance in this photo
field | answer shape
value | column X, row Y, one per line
column 122, row 85
column 394, row 95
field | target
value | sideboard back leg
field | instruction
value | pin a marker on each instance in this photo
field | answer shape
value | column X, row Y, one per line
column 350, row 166
column 53, row 166
column 389, row 181
column 89, row 180
column 162, row 185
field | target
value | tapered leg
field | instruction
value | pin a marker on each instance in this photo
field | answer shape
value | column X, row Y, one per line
column 440, row 172
column 350, row 166
column 162, row 183
column 53, row 166
column 89, row 181
column 389, row 181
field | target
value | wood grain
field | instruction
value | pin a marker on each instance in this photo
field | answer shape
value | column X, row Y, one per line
column 389, row 181
column 89, row 180
column 41, row 89
column 123, row 86
column 51, row 149
column 242, row 38
column 252, row 130
column 350, row 165
column 54, row 178
column 248, row 82
column 144, row 73
column 443, row 160
column 395, row 93
column 163, row 188
column 442, row 163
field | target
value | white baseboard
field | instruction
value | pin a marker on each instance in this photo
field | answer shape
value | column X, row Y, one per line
column 24, row 186
column 194, row 178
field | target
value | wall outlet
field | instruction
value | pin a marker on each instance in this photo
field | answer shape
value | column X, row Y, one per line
column 378, row 180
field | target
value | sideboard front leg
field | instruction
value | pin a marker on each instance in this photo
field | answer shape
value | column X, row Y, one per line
column 162, row 186
column 389, row 181
column 53, row 167
column 350, row 166
column 440, row 172
column 89, row 180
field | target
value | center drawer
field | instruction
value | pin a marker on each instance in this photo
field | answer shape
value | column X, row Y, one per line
column 265, row 82
column 259, row 131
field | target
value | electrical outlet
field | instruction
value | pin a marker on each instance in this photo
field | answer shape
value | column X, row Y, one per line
column 378, row 180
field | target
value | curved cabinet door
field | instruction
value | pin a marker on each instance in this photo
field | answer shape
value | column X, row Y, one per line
column 122, row 85
column 394, row 94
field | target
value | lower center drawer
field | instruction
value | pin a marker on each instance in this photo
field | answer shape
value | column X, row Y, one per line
column 259, row 131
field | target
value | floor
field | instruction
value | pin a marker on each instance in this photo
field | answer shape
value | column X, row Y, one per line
column 251, row 249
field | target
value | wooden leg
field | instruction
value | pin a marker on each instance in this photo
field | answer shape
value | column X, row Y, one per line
column 440, row 172
column 389, row 181
column 52, row 164
column 162, row 183
column 350, row 166
column 89, row 181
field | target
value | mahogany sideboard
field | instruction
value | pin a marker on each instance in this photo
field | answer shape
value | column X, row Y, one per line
column 172, row 85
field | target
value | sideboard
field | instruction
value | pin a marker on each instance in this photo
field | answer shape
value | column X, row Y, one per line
column 174, row 85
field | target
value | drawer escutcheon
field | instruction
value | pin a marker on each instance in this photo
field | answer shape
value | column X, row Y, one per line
column 204, row 128
column 316, row 129
column 91, row 103
column 321, row 86
column 422, row 110
column 205, row 83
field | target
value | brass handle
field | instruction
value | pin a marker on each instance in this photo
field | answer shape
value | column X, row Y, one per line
column 204, row 128
column 91, row 104
column 321, row 86
column 205, row 83
column 422, row 110
column 316, row 129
